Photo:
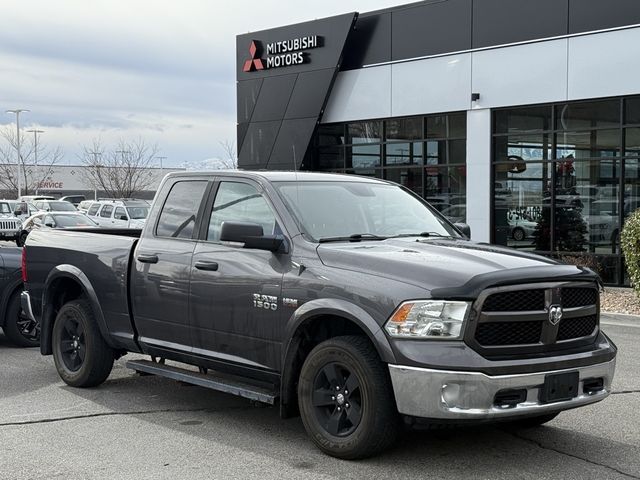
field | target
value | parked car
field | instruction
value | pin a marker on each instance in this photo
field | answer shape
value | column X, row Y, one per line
column 18, row 328
column 521, row 228
column 54, row 206
column 33, row 198
column 119, row 213
column 53, row 220
column 84, row 205
column 347, row 299
column 9, row 223
column 22, row 210
column 74, row 199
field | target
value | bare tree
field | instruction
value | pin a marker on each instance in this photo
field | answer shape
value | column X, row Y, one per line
column 121, row 172
column 32, row 175
column 230, row 161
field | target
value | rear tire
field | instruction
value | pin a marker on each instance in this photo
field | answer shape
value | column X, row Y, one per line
column 20, row 331
column 81, row 356
column 346, row 400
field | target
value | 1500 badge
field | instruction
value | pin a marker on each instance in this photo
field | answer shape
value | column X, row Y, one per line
column 268, row 302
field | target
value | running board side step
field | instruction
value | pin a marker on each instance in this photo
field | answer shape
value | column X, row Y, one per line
column 219, row 383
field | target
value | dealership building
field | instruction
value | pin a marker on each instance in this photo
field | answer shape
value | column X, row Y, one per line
column 519, row 117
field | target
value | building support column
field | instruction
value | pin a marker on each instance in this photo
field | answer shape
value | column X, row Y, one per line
column 479, row 174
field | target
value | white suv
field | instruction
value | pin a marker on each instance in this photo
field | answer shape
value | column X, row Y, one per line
column 119, row 213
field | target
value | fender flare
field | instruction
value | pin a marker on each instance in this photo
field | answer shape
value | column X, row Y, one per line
column 75, row 274
column 339, row 308
column 330, row 307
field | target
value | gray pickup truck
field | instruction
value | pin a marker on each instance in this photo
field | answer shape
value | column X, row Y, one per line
column 346, row 300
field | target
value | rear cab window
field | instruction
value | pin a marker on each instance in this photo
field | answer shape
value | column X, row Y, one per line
column 106, row 211
column 93, row 209
column 179, row 213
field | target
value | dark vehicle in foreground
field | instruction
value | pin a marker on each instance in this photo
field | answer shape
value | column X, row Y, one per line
column 53, row 220
column 18, row 328
column 347, row 300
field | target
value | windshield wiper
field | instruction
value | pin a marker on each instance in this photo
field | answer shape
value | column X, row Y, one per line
column 356, row 237
column 423, row 234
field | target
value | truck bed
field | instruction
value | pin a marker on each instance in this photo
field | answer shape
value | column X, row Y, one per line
column 101, row 256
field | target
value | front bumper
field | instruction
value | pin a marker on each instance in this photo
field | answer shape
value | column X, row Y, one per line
column 457, row 395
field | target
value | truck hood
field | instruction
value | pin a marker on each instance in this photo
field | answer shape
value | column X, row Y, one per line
column 446, row 266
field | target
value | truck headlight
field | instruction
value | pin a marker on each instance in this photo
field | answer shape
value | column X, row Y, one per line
column 430, row 319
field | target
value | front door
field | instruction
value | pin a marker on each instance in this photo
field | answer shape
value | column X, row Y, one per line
column 160, row 279
column 236, row 310
column 120, row 218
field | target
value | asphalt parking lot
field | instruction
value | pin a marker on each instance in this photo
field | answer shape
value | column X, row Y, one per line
column 148, row 427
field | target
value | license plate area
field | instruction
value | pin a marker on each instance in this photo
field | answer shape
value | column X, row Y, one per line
column 559, row 387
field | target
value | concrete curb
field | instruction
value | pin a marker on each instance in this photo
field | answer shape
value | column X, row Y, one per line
column 620, row 316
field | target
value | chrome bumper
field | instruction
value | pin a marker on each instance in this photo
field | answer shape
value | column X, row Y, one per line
column 25, row 301
column 441, row 394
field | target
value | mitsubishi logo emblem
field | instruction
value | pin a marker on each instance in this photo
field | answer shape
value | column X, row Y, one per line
column 255, row 62
column 555, row 314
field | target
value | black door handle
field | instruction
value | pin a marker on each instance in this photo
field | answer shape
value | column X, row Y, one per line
column 209, row 266
column 148, row 258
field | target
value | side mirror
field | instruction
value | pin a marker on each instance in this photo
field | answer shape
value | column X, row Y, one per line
column 17, row 212
column 49, row 224
column 252, row 235
column 124, row 217
column 464, row 229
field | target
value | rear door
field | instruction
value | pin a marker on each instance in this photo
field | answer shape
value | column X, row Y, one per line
column 236, row 313
column 104, row 218
column 162, row 263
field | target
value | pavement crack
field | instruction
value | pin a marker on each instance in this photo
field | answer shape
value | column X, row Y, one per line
column 561, row 452
column 111, row 414
column 624, row 392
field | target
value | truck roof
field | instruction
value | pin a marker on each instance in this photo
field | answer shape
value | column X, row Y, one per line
column 280, row 176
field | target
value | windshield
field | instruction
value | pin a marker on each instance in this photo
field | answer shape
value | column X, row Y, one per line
column 66, row 221
column 61, row 207
column 344, row 209
column 138, row 213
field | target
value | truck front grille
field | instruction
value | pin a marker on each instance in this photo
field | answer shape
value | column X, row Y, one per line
column 508, row 333
column 534, row 318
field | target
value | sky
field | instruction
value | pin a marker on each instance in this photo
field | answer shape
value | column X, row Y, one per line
column 163, row 71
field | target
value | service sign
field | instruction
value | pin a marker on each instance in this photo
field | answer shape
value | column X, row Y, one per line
column 283, row 53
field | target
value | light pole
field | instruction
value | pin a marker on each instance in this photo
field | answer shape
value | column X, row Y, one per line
column 35, row 153
column 17, row 113
column 161, row 159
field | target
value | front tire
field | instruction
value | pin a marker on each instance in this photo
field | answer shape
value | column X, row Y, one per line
column 22, row 239
column 346, row 399
column 81, row 356
column 20, row 330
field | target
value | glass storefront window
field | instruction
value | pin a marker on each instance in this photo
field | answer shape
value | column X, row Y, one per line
column 436, row 126
column 565, row 177
column 363, row 156
column 517, row 120
column 446, row 187
column 588, row 115
column 330, row 158
column 329, row 135
column 588, row 144
column 458, row 125
column 365, row 132
column 404, row 153
column 404, row 129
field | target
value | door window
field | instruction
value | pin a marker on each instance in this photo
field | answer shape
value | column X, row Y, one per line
column 106, row 211
column 239, row 202
column 94, row 209
column 180, row 210
column 121, row 214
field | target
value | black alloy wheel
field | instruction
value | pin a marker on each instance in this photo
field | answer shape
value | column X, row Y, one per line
column 72, row 343
column 19, row 329
column 337, row 399
column 346, row 400
column 80, row 353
